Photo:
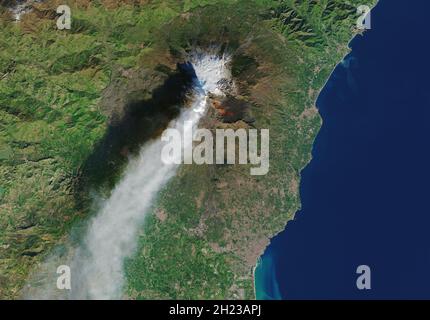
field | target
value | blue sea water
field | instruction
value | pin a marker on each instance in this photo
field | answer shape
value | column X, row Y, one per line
column 365, row 195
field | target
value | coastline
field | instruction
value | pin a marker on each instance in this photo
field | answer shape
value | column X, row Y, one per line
column 180, row 221
column 348, row 50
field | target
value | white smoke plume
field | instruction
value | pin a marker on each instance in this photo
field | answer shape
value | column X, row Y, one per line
column 97, row 264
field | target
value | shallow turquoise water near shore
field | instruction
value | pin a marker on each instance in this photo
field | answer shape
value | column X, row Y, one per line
column 266, row 284
column 365, row 193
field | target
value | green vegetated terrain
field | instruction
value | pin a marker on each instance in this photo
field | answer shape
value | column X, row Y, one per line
column 61, row 90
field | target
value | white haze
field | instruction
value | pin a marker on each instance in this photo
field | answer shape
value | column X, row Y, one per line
column 21, row 7
column 97, row 266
